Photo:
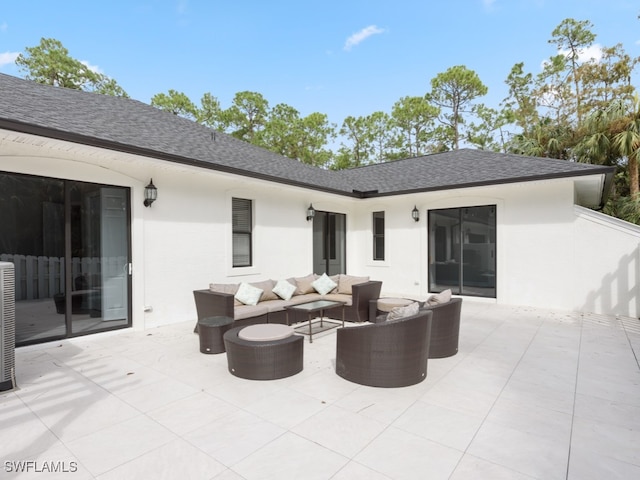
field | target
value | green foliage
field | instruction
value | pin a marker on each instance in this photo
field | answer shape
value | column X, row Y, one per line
column 454, row 90
column 175, row 102
column 49, row 63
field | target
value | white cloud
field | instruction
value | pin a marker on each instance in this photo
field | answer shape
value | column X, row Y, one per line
column 3, row 27
column 93, row 68
column 7, row 58
column 361, row 36
column 592, row 53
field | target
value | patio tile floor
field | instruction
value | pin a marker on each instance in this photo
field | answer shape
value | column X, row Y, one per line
column 532, row 394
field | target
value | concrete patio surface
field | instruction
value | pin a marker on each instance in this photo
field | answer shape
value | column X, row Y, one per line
column 531, row 394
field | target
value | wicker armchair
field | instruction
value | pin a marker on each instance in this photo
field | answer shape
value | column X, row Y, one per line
column 445, row 329
column 445, row 326
column 389, row 354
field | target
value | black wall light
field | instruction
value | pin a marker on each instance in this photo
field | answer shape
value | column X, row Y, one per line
column 311, row 212
column 415, row 214
column 150, row 194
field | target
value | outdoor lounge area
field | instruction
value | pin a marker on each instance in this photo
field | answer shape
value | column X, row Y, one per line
column 531, row 394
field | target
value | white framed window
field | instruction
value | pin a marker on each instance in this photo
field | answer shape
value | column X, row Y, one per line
column 242, row 231
column 378, row 235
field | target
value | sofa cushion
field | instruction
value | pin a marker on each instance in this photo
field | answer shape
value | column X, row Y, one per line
column 309, row 297
column 248, row 294
column 230, row 288
column 284, row 289
column 323, row 284
column 397, row 313
column 304, row 284
column 346, row 283
column 267, row 289
column 249, row 311
column 339, row 297
column 275, row 305
column 439, row 298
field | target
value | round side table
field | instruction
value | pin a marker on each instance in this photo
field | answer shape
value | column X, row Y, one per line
column 211, row 331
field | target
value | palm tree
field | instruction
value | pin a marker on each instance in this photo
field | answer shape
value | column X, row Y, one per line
column 612, row 137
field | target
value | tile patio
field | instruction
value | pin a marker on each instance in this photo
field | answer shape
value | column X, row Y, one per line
column 532, row 394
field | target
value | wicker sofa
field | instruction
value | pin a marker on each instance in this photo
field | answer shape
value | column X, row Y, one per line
column 220, row 300
column 386, row 354
column 445, row 328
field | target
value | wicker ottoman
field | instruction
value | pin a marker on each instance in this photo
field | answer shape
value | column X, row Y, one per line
column 268, row 359
column 211, row 330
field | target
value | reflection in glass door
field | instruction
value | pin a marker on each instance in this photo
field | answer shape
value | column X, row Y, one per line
column 329, row 243
column 99, row 257
column 69, row 242
column 462, row 250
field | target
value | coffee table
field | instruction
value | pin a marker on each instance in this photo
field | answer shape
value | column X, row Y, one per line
column 318, row 306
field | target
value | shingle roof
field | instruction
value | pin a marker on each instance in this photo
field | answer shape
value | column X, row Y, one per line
column 131, row 126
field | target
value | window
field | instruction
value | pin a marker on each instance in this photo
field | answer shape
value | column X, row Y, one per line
column 241, row 226
column 378, row 235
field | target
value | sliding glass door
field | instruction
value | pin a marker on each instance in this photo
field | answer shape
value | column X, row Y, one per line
column 462, row 250
column 329, row 243
column 70, row 244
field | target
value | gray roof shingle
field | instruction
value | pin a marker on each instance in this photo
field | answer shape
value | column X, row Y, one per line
column 132, row 126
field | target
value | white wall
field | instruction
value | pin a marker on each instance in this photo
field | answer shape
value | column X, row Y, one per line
column 607, row 264
column 188, row 237
column 545, row 252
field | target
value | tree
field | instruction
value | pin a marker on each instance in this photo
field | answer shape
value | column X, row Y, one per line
column 175, row 102
column 491, row 122
column 210, row 113
column 414, row 118
column 382, row 137
column 247, row 115
column 49, row 63
column 358, row 132
column 300, row 138
column 313, row 134
column 520, row 106
column 455, row 89
column 608, row 79
column 571, row 38
column 612, row 137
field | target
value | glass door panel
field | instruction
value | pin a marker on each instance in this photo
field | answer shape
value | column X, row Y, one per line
column 99, row 257
column 444, row 250
column 329, row 243
column 462, row 250
column 479, row 251
column 32, row 238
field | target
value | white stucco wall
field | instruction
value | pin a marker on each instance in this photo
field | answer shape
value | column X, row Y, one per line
column 544, row 250
column 606, row 273
column 534, row 244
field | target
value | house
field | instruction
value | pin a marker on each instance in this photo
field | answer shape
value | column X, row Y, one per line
column 74, row 167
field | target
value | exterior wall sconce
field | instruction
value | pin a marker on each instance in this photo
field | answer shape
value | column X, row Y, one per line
column 415, row 214
column 311, row 212
column 150, row 194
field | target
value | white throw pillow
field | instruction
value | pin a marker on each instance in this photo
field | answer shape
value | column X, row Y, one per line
column 439, row 298
column 248, row 294
column 324, row 284
column 284, row 289
column 397, row 313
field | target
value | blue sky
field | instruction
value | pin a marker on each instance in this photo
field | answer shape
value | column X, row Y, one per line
column 335, row 57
